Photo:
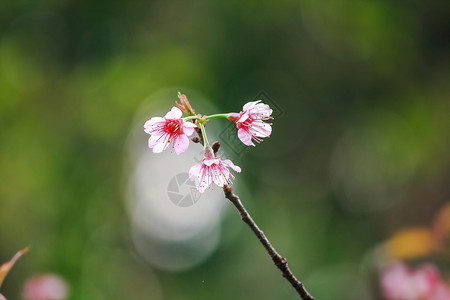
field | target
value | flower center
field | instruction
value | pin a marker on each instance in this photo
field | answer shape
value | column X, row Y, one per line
column 247, row 123
column 173, row 127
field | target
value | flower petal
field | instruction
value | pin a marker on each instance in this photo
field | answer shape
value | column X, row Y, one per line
column 230, row 164
column 181, row 143
column 243, row 118
column 211, row 161
column 188, row 128
column 245, row 137
column 205, row 179
column 221, row 175
column 262, row 110
column 160, row 145
column 154, row 140
column 204, row 184
column 250, row 105
column 174, row 113
column 149, row 126
column 261, row 129
column 194, row 172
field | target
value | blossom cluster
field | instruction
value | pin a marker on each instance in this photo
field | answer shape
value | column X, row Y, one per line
column 399, row 282
column 174, row 130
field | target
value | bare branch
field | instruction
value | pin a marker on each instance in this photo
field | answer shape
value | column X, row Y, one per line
column 279, row 261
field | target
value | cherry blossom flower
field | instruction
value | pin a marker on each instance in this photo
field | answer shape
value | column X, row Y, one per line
column 45, row 287
column 170, row 128
column 442, row 292
column 398, row 282
column 250, row 122
column 212, row 169
column 2, row 297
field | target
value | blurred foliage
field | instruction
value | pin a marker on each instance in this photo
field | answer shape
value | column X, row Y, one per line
column 365, row 98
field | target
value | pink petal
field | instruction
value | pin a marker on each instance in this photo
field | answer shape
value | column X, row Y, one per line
column 181, row 143
column 262, row 110
column 188, row 128
column 230, row 164
column 221, row 176
column 195, row 171
column 2, row 297
column 395, row 281
column 399, row 282
column 205, row 180
column 209, row 162
column 150, row 124
column 157, row 133
column 153, row 140
column 203, row 185
column 261, row 129
column 245, row 137
column 174, row 113
column 243, row 118
column 160, row 146
column 250, row 105
column 201, row 175
column 426, row 279
column 442, row 292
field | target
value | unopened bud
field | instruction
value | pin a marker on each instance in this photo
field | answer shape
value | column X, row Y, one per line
column 216, row 147
column 185, row 105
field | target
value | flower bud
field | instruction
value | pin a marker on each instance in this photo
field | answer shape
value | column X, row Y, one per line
column 216, row 147
column 185, row 106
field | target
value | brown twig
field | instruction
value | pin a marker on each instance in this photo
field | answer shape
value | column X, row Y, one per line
column 200, row 135
column 277, row 259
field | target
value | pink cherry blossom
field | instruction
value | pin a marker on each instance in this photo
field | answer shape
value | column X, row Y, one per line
column 398, row 282
column 170, row 128
column 250, row 122
column 212, row 169
column 441, row 292
column 45, row 287
column 2, row 297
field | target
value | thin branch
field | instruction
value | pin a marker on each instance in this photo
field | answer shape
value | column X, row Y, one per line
column 200, row 135
column 277, row 259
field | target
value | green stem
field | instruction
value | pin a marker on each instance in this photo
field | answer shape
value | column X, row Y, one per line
column 191, row 118
column 217, row 116
column 205, row 138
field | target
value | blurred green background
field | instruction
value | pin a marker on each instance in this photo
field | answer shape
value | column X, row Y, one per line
column 360, row 147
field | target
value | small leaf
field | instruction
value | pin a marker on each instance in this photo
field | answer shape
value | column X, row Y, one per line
column 6, row 267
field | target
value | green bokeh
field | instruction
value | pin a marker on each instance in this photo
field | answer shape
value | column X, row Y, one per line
column 74, row 74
